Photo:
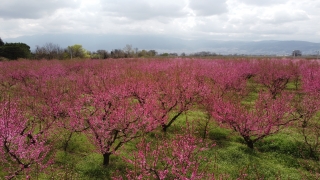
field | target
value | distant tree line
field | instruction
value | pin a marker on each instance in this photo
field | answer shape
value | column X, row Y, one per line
column 203, row 54
column 127, row 52
column 49, row 51
column 13, row 51
column 53, row 51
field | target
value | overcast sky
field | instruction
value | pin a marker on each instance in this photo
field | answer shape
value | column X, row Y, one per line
column 186, row 19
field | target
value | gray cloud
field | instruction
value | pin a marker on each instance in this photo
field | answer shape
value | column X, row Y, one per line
column 32, row 9
column 208, row 7
column 144, row 9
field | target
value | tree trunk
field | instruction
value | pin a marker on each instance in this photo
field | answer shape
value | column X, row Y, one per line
column 106, row 159
column 164, row 127
column 204, row 136
column 66, row 143
column 249, row 142
column 312, row 153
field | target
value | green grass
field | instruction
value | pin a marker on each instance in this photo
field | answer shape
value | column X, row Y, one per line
column 236, row 158
column 279, row 156
column 292, row 86
column 276, row 156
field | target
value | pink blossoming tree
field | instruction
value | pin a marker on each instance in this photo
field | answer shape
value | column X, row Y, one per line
column 266, row 117
column 22, row 146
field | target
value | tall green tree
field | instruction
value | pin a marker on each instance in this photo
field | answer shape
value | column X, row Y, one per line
column 77, row 51
column 14, row 51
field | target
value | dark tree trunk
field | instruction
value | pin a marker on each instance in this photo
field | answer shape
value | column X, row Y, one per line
column 249, row 142
column 204, row 136
column 313, row 154
column 66, row 143
column 106, row 159
column 164, row 127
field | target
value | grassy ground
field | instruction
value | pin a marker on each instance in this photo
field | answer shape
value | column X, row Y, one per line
column 276, row 157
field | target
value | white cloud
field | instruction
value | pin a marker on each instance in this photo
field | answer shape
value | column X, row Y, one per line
column 188, row 19
column 283, row 16
column 263, row 2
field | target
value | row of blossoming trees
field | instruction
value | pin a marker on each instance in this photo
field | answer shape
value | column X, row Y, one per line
column 44, row 103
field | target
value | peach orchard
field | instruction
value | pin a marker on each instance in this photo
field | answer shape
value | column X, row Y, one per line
column 43, row 104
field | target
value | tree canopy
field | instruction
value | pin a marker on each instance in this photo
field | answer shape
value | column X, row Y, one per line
column 14, row 51
column 77, row 51
column 1, row 42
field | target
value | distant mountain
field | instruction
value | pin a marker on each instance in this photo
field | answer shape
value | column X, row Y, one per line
column 170, row 44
